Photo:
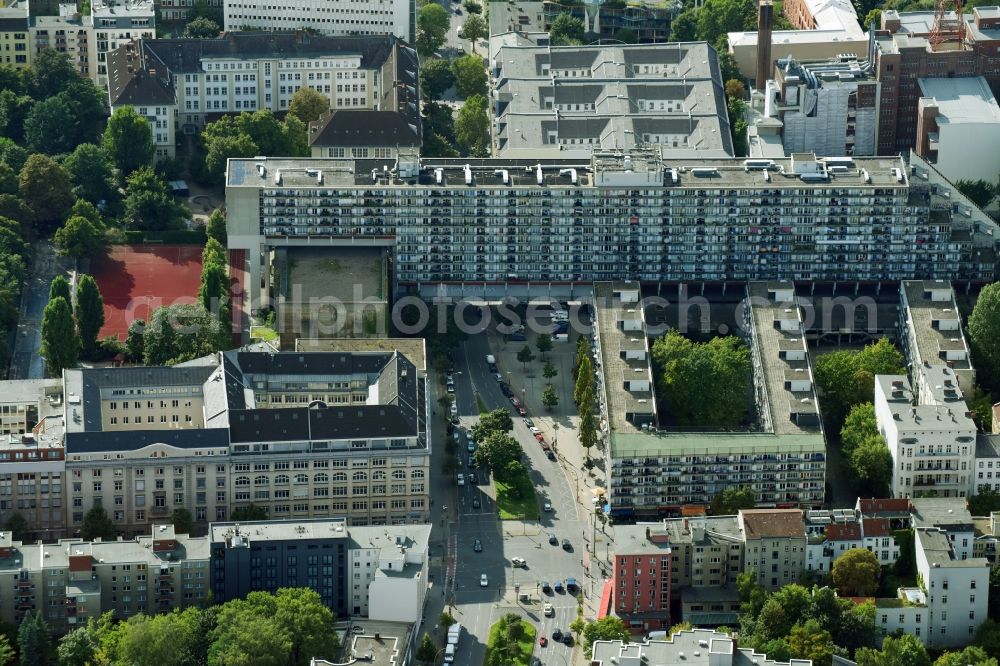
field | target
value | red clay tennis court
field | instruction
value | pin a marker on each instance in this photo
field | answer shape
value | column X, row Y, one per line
column 136, row 279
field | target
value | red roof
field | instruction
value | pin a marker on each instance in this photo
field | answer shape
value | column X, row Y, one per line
column 876, row 527
column 898, row 505
column 605, row 607
column 843, row 532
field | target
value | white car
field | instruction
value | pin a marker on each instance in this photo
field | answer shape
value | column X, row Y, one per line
column 454, row 409
column 483, row 581
column 548, row 610
column 546, row 507
column 471, row 446
column 534, row 430
column 518, row 562
column 460, row 479
column 498, row 377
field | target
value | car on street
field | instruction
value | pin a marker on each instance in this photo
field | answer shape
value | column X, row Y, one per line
column 460, row 479
column 528, row 422
column 518, row 562
column 451, row 388
column 476, row 503
column 546, row 588
column 568, row 639
column 483, row 581
column 522, row 411
column 498, row 377
column 557, row 635
column 454, row 409
column 470, row 446
column 543, row 641
column 548, row 610
column 539, row 438
column 571, row 585
column 357, row 629
column 553, row 539
column 477, row 546
column 566, row 545
column 471, row 464
column 547, row 507
column 514, row 401
column 454, row 418
column 558, row 587
column 535, row 431
column 473, row 479
column 550, row 455
column 505, row 390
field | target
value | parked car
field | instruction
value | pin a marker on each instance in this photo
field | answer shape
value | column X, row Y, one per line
column 528, row 422
column 451, row 388
column 557, row 635
column 543, row 641
column 460, row 479
column 477, row 546
column 534, row 430
column 550, row 455
column 470, row 446
column 518, row 562
column 568, row 639
column 571, row 585
column 483, row 581
column 558, row 587
column 546, row 507
column 546, row 588
column 566, row 545
column 505, row 390
column 553, row 539
column 476, row 503
column 548, row 610
column 473, row 479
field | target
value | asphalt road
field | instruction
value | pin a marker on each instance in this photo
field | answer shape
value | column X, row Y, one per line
column 26, row 363
column 478, row 607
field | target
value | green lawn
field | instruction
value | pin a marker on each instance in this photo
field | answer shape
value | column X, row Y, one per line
column 524, row 507
column 525, row 645
column 265, row 333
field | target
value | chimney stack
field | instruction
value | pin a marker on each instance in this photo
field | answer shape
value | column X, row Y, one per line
column 765, row 23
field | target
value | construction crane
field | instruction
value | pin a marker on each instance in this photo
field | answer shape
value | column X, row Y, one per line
column 948, row 27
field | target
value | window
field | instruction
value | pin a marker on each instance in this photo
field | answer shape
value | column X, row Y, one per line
column 301, row 478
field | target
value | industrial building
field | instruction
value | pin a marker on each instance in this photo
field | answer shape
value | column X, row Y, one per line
column 324, row 17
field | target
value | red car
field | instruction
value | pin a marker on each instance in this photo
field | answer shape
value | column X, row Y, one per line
column 543, row 641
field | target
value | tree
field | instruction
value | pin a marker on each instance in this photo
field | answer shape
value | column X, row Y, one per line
column 59, row 287
column 214, row 291
column 159, row 338
column 609, row 628
column 704, row 384
column 979, row 192
column 216, row 227
column 427, row 651
column 134, row 348
column 45, row 186
column 731, row 500
column 8, row 179
column 470, row 77
column 433, row 22
column 735, row 88
column 79, row 238
column 847, row 378
column 496, row 451
column 97, row 525
column 435, row 78
column 149, row 204
column 811, row 641
column 92, row 173
column 543, row 343
column 873, row 17
column 549, row 398
column 472, row 127
column 498, row 420
column 718, row 17
column 906, row 650
column 584, row 378
column 201, row 27
column 174, row 639
column 985, row 501
column 14, row 110
column 474, row 28
column 984, row 334
column 13, row 208
column 972, row 655
column 242, row 639
column 588, row 429
column 566, row 31
column 446, row 619
column 626, row 35
column 549, row 371
column 128, row 141
column 438, row 119
column 182, row 521
column 736, row 109
column 60, row 345
column 859, row 425
column 871, row 463
column 308, row 105
column 34, row 642
column 249, row 134
column 52, row 72
column 77, row 648
column 48, row 127
column 249, row 512
column 525, row 356
column 89, row 314
column 856, row 572
column 18, row 526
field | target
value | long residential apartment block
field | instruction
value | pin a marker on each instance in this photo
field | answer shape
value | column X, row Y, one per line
column 299, row 434
column 657, row 471
column 376, row 572
column 178, row 84
column 495, row 227
column 571, row 101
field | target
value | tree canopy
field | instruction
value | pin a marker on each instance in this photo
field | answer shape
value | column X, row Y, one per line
column 128, row 140
column 149, row 204
column 97, row 525
column 731, row 500
column 89, row 314
column 308, row 105
column 497, row 451
column 704, row 384
column 847, row 378
column 472, row 127
column 249, row 134
column 470, row 77
column 201, row 26
column 856, row 572
column 46, row 188
column 984, row 335
column 608, row 628
column 60, row 344
column 566, row 30
column 92, row 173
column 433, row 22
column 79, row 238
column 435, row 78
column 979, row 192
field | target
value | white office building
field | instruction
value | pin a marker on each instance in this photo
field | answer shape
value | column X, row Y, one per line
column 327, row 17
